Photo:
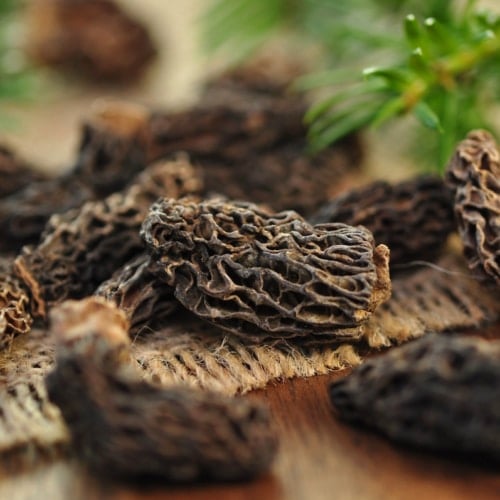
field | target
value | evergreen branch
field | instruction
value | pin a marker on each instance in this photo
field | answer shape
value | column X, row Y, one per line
column 443, row 64
column 444, row 71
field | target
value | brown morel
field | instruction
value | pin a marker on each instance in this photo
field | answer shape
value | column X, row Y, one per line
column 24, row 213
column 124, row 427
column 474, row 177
column 15, row 316
column 227, row 132
column 269, row 275
column 413, row 218
column 15, row 173
column 250, row 140
column 286, row 177
column 439, row 393
column 111, row 150
column 95, row 38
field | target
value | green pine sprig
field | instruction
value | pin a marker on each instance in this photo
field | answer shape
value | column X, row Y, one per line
column 441, row 67
column 447, row 81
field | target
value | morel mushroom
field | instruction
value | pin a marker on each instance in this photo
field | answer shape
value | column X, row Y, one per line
column 136, row 290
column 474, row 177
column 413, row 218
column 93, row 37
column 439, row 392
column 285, row 178
column 124, row 427
column 15, row 318
column 24, row 213
column 15, row 173
column 83, row 247
column 111, row 150
column 264, row 275
column 226, row 132
column 251, row 145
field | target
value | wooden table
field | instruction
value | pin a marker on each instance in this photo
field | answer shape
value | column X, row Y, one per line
column 320, row 457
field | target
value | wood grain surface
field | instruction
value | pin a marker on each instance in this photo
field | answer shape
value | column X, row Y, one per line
column 320, row 457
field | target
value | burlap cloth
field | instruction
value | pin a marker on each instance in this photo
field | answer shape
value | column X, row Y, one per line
column 428, row 297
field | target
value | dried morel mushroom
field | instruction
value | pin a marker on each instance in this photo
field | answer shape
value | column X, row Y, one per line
column 15, row 318
column 83, row 247
column 124, row 427
column 136, row 290
column 474, row 176
column 439, row 392
column 259, row 274
column 226, row 132
column 24, row 213
column 284, row 178
column 111, row 150
column 93, row 37
column 15, row 173
column 413, row 218
column 110, row 155
column 250, row 139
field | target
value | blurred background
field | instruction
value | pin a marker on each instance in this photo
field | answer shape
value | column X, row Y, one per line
column 45, row 126
column 42, row 124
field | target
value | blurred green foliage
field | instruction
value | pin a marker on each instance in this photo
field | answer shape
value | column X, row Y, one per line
column 344, row 27
column 441, row 66
column 16, row 79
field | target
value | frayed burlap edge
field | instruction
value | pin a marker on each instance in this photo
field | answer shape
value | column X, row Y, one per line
column 435, row 298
